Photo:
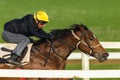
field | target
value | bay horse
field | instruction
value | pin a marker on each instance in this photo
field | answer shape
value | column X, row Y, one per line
column 53, row 54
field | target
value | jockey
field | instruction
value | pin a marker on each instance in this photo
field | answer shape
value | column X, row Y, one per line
column 19, row 31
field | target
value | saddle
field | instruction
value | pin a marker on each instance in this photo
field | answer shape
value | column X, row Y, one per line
column 6, row 49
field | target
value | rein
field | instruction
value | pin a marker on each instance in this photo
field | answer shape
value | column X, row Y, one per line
column 52, row 48
column 66, row 43
column 46, row 60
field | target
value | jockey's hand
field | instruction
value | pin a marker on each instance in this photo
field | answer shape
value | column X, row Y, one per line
column 51, row 35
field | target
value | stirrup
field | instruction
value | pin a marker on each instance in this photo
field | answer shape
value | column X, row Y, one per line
column 10, row 61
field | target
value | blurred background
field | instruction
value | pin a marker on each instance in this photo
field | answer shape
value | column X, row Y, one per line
column 100, row 16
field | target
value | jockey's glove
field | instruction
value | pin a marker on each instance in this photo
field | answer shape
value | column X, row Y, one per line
column 51, row 35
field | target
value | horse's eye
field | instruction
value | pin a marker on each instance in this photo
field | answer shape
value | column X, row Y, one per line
column 91, row 38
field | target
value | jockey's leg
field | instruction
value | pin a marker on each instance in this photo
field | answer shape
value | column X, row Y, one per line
column 22, row 42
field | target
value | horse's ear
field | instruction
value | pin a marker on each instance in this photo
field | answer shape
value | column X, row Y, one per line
column 81, row 28
column 81, row 24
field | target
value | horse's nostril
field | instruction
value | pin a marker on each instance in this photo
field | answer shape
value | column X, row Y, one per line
column 106, row 55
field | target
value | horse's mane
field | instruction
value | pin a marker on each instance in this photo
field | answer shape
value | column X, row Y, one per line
column 62, row 33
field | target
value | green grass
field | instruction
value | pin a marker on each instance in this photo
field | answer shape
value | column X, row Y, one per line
column 101, row 16
column 94, row 66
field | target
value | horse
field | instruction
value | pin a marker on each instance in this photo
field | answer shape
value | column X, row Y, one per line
column 52, row 54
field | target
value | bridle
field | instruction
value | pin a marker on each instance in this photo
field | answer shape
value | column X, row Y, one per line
column 87, row 42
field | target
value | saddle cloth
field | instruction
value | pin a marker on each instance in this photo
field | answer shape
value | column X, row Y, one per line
column 11, row 46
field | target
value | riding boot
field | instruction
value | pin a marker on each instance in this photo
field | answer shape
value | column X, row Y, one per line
column 13, row 59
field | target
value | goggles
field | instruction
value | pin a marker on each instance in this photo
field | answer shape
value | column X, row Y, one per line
column 42, row 22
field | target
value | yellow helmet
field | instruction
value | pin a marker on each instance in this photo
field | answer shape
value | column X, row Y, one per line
column 41, row 16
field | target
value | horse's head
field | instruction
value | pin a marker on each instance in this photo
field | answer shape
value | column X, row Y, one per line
column 88, row 43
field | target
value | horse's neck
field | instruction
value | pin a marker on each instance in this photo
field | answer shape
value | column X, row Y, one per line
column 58, row 54
column 65, row 47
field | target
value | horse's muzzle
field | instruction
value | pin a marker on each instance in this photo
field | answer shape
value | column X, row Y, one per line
column 102, row 57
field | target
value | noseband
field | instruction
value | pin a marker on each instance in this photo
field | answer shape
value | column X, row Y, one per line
column 87, row 43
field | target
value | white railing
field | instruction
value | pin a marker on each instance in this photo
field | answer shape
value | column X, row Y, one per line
column 77, row 56
column 85, row 73
column 60, row 73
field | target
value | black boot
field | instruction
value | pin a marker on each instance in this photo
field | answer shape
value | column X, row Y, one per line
column 13, row 60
